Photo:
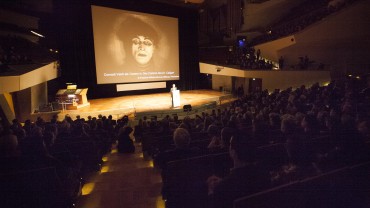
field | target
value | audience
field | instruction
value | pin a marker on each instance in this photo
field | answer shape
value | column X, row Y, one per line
column 73, row 148
column 318, row 128
column 247, row 58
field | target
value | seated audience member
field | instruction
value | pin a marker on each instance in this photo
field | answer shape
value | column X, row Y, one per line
column 299, row 152
column 207, row 122
column 173, row 126
column 274, row 121
column 226, row 135
column 189, row 123
column 125, row 144
column 245, row 123
column 321, row 118
column 15, row 125
column 139, row 129
column 9, row 154
column 216, row 143
column 245, row 177
column 348, row 145
column 176, row 119
column 164, row 127
column 276, row 135
column 181, row 138
column 34, row 153
column 352, row 147
column 184, row 126
column 49, row 136
column 79, row 131
column 261, row 131
column 289, row 127
column 199, row 125
column 64, row 131
column 327, row 157
column 28, row 126
column 310, row 127
column 363, row 128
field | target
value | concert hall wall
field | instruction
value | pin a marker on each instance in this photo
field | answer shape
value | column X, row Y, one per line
column 73, row 23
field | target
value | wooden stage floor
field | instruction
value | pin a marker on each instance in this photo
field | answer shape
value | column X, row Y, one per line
column 159, row 104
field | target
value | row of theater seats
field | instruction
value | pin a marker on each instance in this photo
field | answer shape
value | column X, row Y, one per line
column 184, row 179
column 184, row 185
column 153, row 143
column 342, row 187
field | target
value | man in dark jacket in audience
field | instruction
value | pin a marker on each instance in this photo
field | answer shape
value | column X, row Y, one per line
column 245, row 177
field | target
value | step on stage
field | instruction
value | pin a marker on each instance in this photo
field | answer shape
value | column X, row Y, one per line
column 158, row 104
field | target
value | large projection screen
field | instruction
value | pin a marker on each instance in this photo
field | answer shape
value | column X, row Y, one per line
column 134, row 47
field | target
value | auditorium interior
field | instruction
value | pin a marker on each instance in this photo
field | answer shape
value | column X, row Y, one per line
column 226, row 103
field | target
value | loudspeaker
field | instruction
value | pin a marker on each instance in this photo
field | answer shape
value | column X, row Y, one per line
column 187, row 108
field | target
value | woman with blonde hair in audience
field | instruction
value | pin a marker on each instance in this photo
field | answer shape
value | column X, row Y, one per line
column 182, row 150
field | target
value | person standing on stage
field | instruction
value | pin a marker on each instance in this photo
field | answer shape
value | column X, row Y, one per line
column 173, row 87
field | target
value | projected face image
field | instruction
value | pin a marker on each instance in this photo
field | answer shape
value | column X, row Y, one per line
column 142, row 49
column 132, row 47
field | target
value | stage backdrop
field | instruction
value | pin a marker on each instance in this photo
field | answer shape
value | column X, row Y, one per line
column 75, row 34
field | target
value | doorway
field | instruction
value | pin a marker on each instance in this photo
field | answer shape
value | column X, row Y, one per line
column 255, row 85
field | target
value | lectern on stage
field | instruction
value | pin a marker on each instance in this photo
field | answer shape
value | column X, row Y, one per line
column 175, row 95
column 72, row 99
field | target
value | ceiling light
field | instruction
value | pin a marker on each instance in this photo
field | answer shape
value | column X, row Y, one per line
column 38, row 34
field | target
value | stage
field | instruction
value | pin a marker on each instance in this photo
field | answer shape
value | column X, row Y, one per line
column 158, row 104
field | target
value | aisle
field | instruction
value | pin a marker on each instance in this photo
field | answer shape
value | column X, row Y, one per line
column 126, row 180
